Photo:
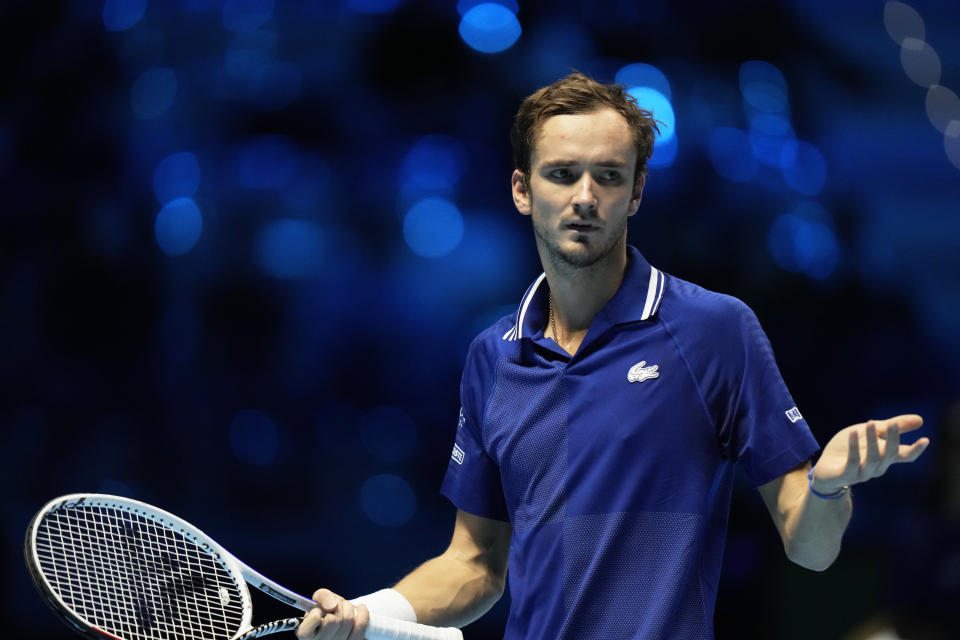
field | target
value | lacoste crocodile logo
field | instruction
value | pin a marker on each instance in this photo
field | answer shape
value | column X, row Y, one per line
column 640, row 372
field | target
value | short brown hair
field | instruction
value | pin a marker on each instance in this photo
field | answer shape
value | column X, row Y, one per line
column 576, row 94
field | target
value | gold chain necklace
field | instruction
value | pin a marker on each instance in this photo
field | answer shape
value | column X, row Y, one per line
column 553, row 325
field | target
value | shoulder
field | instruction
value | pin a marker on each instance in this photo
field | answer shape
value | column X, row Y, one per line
column 690, row 306
column 712, row 330
column 492, row 343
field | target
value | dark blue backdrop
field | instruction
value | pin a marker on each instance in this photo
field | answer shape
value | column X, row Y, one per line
column 245, row 244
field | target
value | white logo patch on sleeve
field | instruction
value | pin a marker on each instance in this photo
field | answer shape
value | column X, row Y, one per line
column 794, row 414
column 457, row 454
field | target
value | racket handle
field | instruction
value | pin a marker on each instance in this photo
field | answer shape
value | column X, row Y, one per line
column 382, row 628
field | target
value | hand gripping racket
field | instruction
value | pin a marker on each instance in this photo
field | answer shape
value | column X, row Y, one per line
column 118, row 568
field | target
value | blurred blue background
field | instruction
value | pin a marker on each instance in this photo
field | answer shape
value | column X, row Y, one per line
column 245, row 244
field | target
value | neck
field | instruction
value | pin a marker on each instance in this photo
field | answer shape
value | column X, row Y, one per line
column 578, row 293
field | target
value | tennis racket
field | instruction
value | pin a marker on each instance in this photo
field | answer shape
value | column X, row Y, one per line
column 117, row 568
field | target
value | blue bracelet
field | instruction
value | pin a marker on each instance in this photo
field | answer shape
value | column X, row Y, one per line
column 826, row 496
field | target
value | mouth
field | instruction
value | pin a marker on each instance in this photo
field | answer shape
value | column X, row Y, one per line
column 581, row 227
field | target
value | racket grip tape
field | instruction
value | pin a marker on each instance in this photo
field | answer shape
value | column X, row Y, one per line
column 379, row 628
column 382, row 628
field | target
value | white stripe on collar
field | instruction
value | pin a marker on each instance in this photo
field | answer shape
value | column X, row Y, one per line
column 517, row 332
column 655, row 288
column 662, row 285
column 649, row 307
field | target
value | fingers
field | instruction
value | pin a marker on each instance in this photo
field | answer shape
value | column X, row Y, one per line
column 310, row 624
column 905, row 422
column 891, row 448
column 359, row 623
column 872, row 460
column 333, row 619
column 891, row 428
column 912, row 452
column 853, row 453
column 876, row 462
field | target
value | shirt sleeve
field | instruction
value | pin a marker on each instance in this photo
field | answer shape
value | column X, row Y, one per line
column 758, row 422
column 472, row 482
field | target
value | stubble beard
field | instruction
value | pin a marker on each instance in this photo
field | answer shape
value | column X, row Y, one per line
column 591, row 250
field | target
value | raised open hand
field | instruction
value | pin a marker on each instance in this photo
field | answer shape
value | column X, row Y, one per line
column 864, row 451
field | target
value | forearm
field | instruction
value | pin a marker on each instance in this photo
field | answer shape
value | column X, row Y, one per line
column 451, row 589
column 814, row 528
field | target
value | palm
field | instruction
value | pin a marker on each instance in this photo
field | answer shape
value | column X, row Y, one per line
column 866, row 450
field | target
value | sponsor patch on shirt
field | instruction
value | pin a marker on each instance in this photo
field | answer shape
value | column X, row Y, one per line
column 457, row 454
column 794, row 414
column 640, row 372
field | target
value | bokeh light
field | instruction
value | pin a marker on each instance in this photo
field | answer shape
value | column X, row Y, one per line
column 902, row 21
column 434, row 165
column 652, row 100
column 433, row 227
column 388, row 500
column 489, row 28
column 731, row 154
column 805, row 242
column 246, row 15
column 943, row 107
column 176, row 176
column 178, row 226
column 920, row 62
column 120, row 15
column 290, row 248
column 388, row 433
column 254, row 437
column 951, row 142
column 770, row 135
column 763, row 86
column 664, row 153
column 804, row 167
column 640, row 74
column 153, row 92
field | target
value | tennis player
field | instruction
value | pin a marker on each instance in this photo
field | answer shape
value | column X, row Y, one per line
column 602, row 422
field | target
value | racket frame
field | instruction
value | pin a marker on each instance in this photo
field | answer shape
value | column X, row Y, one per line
column 237, row 571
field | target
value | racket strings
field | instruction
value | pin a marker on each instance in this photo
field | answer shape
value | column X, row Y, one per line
column 134, row 578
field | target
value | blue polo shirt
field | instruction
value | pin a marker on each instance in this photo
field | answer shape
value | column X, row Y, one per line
column 615, row 465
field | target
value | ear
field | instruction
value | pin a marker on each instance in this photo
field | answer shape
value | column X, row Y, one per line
column 637, row 195
column 521, row 192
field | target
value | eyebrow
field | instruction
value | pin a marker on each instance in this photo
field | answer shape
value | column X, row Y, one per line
column 615, row 164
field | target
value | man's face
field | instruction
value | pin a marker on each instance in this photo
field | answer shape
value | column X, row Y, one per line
column 580, row 190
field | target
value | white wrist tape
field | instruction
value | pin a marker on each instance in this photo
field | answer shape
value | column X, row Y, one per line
column 389, row 603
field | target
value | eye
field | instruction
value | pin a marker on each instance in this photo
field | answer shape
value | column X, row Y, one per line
column 610, row 175
column 560, row 174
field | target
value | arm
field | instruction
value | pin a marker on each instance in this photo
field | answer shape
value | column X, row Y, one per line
column 812, row 527
column 462, row 583
column 453, row 589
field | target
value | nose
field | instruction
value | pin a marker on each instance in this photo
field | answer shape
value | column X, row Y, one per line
column 584, row 197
